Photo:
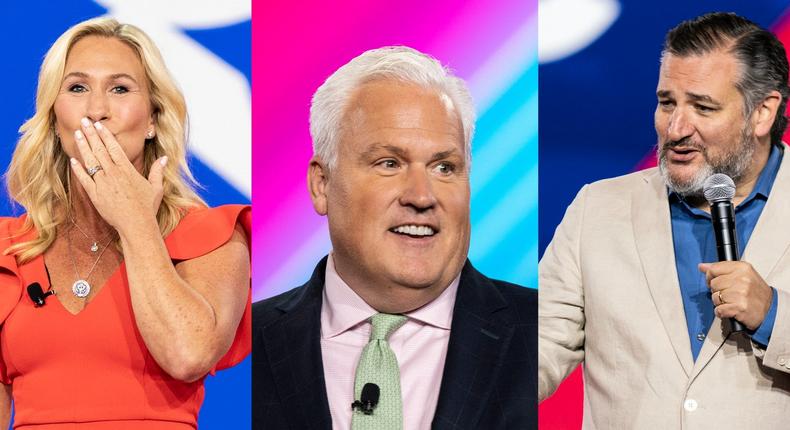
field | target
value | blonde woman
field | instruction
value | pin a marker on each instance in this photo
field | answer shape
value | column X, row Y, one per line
column 150, row 289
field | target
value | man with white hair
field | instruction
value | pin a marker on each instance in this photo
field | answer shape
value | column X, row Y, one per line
column 395, row 329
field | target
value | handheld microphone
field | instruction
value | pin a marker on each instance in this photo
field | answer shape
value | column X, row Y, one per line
column 37, row 295
column 719, row 189
column 369, row 398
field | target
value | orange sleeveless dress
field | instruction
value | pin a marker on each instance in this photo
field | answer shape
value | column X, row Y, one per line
column 92, row 370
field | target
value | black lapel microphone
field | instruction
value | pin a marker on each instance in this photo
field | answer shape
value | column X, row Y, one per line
column 368, row 399
column 719, row 189
column 37, row 295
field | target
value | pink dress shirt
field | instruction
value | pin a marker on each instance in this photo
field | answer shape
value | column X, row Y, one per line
column 420, row 346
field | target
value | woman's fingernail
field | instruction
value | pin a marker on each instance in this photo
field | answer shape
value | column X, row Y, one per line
column 78, row 135
column 163, row 160
column 85, row 122
column 73, row 161
column 98, row 125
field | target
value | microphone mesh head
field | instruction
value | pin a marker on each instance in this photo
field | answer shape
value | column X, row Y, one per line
column 718, row 187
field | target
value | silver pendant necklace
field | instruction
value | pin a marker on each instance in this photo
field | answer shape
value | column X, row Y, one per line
column 81, row 288
column 95, row 243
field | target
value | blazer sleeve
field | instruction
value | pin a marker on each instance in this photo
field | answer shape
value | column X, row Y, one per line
column 561, row 301
column 777, row 354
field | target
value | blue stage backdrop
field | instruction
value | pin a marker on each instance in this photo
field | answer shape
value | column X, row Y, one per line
column 206, row 45
column 599, row 62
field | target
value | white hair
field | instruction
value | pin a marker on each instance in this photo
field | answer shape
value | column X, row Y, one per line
column 398, row 63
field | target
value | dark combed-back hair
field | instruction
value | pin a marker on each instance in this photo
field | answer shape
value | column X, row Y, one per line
column 761, row 55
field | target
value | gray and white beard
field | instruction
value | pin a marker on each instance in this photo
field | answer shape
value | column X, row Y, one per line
column 734, row 164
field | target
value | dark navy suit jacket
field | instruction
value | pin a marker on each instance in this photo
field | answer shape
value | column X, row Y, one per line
column 490, row 373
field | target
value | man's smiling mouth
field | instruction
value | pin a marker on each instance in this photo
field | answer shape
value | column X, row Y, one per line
column 414, row 230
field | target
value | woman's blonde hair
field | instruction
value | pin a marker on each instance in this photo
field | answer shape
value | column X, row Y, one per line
column 38, row 175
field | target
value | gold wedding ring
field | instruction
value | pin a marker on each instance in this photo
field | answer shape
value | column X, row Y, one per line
column 721, row 298
column 95, row 169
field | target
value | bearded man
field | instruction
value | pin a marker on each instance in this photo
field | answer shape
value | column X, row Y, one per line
column 630, row 286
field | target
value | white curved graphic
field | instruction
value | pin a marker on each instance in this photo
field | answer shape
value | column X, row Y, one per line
column 217, row 94
column 565, row 27
column 192, row 14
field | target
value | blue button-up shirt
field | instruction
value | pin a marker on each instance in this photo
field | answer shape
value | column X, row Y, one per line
column 694, row 242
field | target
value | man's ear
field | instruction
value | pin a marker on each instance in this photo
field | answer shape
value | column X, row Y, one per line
column 765, row 114
column 317, row 178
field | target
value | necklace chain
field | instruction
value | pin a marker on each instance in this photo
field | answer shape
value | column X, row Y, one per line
column 95, row 246
column 93, row 267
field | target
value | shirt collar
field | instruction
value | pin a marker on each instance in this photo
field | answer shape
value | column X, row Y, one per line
column 761, row 188
column 766, row 179
column 343, row 309
column 439, row 311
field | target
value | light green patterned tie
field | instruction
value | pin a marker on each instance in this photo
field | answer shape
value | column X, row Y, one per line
column 378, row 365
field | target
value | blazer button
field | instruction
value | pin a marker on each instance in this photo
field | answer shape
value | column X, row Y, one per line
column 782, row 361
column 690, row 405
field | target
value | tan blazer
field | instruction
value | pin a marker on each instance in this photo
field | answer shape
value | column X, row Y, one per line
column 610, row 299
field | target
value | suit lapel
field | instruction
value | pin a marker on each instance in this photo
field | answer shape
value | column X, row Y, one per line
column 653, row 236
column 293, row 346
column 479, row 339
column 770, row 238
column 767, row 244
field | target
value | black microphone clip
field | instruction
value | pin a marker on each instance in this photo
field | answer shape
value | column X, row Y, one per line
column 369, row 398
column 37, row 295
